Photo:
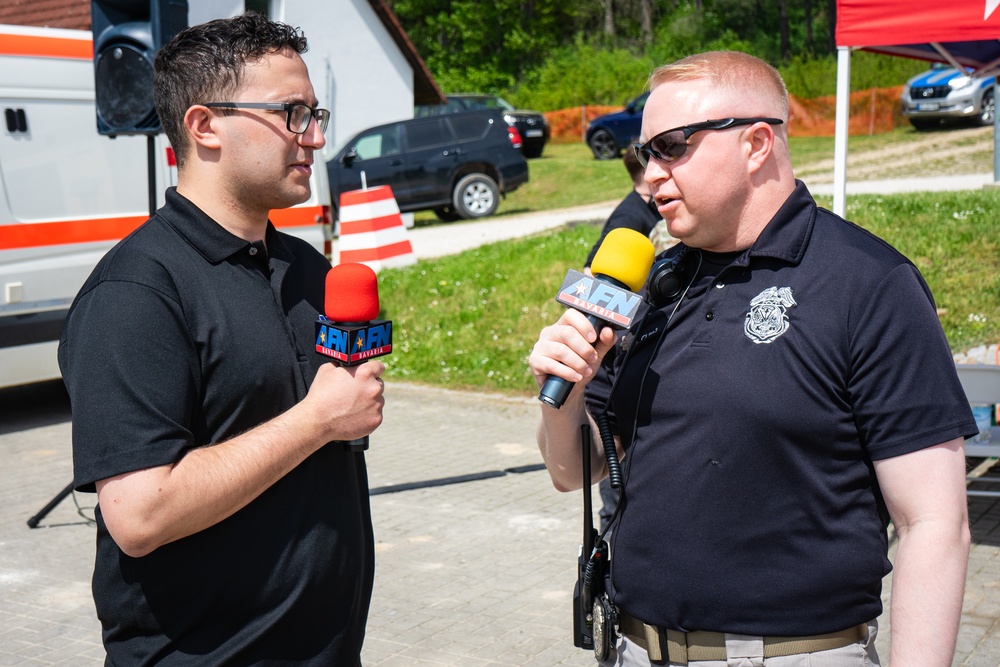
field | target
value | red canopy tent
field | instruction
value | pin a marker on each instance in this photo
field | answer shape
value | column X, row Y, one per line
column 958, row 32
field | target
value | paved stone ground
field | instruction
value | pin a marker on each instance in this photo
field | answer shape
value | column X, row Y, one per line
column 473, row 573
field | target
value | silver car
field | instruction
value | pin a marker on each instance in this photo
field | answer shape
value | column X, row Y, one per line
column 947, row 94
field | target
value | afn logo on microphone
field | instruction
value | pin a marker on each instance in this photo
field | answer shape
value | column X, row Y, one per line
column 353, row 343
column 591, row 295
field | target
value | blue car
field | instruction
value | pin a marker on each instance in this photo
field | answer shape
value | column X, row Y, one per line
column 947, row 94
column 611, row 133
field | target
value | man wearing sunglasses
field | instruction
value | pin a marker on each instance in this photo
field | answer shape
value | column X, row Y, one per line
column 231, row 527
column 773, row 416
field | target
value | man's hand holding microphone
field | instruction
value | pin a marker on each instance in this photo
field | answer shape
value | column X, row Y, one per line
column 348, row 393
column 569, row 352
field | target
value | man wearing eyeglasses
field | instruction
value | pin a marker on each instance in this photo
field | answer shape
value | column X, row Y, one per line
column 231, row 527
column 796, row 394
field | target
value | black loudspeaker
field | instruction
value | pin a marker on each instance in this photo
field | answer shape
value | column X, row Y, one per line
column 127, row 35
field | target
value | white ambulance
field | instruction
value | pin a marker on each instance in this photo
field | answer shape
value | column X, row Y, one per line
column 67, row 194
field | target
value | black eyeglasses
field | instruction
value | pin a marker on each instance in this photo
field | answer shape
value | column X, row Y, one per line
column 672, row 144
column 297, row 116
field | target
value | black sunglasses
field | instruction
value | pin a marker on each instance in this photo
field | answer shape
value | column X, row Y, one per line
column 672, row 144
column 297, row 116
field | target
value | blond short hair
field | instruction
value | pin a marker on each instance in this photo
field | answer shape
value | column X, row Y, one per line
column 740, row 73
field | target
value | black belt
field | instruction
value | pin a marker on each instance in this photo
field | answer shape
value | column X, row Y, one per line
column 681, row 647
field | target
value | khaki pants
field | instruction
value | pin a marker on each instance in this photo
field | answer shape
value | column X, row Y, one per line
column 862, row 654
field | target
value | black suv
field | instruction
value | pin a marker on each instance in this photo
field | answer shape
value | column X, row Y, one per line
column 456, row 165
column 531, row 125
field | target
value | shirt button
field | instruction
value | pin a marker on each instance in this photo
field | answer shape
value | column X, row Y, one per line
column 253, row 251
column 709, row 316
column 719, row 285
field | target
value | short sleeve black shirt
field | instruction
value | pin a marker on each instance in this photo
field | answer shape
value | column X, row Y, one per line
column 185, row 336
column 751, row 504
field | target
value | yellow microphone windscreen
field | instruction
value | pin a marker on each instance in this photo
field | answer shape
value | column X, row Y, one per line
column 625, row 255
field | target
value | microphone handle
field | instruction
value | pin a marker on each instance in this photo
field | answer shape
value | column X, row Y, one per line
column 358, row 444
column 556, row 389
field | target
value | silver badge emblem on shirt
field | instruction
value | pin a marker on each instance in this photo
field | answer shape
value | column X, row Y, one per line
column 768, row 317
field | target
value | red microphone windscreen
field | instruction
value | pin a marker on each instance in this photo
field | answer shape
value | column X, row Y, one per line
column 351, row 293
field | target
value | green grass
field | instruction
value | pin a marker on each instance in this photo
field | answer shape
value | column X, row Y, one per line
column 954, row 240
column 469, row 321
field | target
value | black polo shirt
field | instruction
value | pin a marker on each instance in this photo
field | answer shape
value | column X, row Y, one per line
column 751, row 504
column 185, row 336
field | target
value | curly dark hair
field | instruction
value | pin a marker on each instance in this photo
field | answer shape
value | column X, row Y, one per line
column 205, row 63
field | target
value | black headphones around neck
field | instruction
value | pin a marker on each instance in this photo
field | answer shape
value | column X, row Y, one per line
column 669, row 276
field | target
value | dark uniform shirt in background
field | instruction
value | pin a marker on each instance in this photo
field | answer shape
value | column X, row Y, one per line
column 633, row 212
column 751, row 504
column 185, row 336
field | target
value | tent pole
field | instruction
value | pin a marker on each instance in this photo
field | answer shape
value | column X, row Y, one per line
column 840, row 131
column 996, row 134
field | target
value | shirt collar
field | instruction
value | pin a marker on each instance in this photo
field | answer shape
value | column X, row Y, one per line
column 786, row 236
column 214, row 242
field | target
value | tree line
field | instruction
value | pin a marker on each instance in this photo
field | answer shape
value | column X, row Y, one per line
column 550, row 54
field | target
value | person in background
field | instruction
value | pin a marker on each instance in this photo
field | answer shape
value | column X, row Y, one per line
column 661, row 238
column 231, row 527
column 771, row 416
column 636, row 211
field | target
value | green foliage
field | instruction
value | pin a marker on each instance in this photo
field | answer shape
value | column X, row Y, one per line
column 583, row 73
column 549, row 55
column 808, row 77
column 473, row 46
column 874, row 70
column 586, row 73
column 689, row 31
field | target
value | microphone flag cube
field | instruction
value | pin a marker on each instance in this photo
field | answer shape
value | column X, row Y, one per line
column 353, row 342
column 615, row 305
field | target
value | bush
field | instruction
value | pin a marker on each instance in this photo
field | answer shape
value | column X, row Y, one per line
column 807, row 78
column 587, row 73
column 817, row 77
column 583, row 73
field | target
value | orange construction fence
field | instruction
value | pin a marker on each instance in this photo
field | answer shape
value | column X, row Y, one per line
column 871, row 112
